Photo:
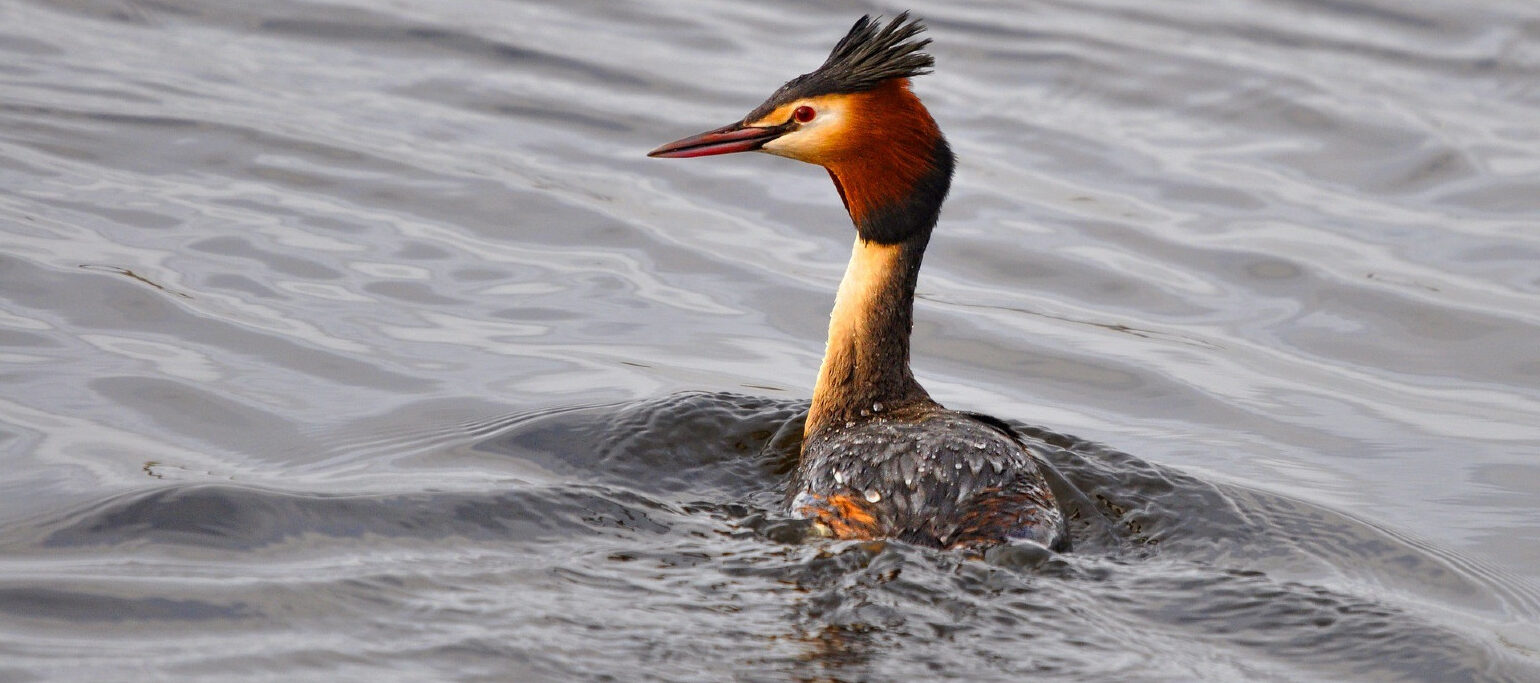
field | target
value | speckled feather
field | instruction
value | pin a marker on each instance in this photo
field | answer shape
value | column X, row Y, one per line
column 926, row 475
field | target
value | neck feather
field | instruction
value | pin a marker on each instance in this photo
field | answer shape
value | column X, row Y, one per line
column 866, row 363
column 895, row 174
column 893, row 189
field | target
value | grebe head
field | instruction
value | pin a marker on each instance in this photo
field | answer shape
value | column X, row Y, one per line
column 855, row 116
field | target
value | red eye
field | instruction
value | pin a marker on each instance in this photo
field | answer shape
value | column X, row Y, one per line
column 804, row 114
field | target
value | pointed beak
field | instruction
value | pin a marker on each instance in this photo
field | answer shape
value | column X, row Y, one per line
column 734, row 137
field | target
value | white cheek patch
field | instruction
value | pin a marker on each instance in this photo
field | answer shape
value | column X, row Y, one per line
column 809, row 141
column 781, row 147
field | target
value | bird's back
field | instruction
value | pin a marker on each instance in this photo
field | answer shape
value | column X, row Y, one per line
column 926, row 475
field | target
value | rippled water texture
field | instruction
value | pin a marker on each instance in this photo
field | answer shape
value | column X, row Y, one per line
column 360, row 341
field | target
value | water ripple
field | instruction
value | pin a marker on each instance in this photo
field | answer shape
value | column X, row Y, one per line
column 341, row 340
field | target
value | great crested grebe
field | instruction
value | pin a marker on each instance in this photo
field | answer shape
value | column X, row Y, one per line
column 880, row 459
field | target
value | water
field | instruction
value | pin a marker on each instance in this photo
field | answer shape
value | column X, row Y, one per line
column 350, row 341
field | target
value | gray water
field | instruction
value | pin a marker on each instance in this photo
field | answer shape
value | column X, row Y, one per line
column 360, row 341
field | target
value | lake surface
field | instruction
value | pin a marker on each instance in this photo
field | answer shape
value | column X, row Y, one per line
column 360, row 341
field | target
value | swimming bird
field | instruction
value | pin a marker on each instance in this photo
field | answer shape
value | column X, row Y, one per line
column 879, row 457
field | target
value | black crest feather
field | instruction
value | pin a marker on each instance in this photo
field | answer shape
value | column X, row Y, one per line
column 868, row 55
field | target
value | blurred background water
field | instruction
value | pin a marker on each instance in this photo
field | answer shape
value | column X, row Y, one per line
column 344, row 340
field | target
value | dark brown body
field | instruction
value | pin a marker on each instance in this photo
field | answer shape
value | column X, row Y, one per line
column 925, row 475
